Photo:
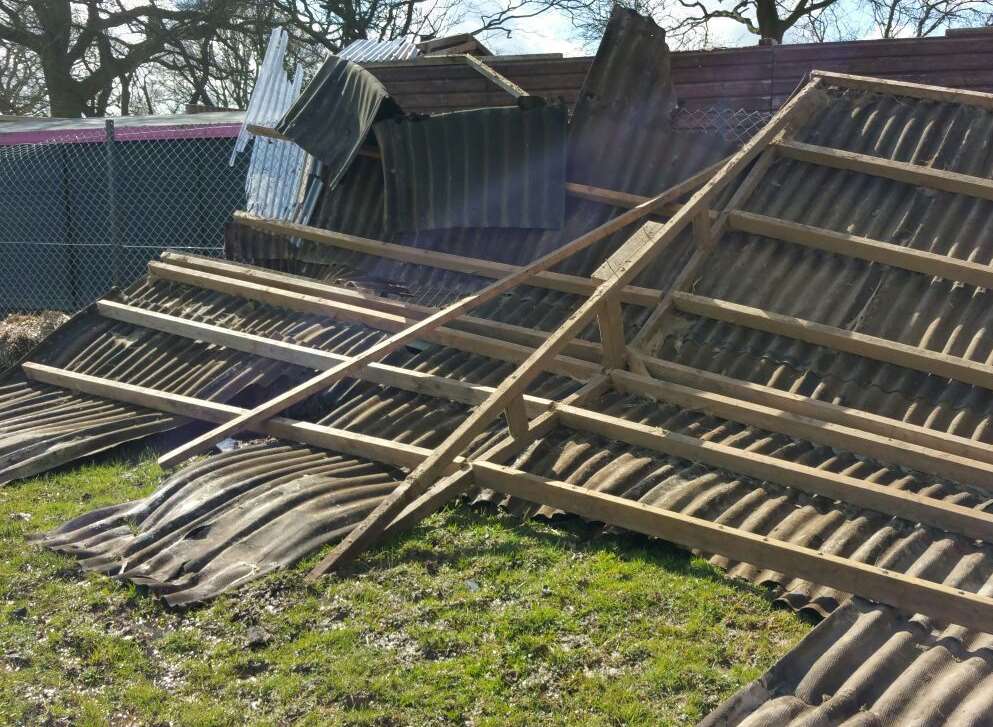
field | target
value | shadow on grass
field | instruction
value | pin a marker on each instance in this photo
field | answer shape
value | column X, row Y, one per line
column 573, row 532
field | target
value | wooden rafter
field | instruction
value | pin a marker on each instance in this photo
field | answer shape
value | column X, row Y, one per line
column 562, row 282
column 377, row 373
column 905, row 172
column 838, row 339
column 854, row 439
column 339, row 440
column 381, row 320
column 888, row 500
column 825, row 411
column 497, row 79
column 585, row 350
column 905, row 88
column 842, row 243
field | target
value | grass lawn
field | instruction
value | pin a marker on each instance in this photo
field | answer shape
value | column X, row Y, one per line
column 474, row 618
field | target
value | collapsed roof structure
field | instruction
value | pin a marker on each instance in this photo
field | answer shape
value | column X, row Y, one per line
column 775, row 353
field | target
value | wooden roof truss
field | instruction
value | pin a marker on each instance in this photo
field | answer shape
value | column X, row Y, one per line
column 437, row 475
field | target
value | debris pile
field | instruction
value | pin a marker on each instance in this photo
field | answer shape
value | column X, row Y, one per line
column 774, row 354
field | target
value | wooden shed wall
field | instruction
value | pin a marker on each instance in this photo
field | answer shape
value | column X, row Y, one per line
column 755, row 78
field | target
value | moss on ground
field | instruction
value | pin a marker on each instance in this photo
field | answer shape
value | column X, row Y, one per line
column 474, row 618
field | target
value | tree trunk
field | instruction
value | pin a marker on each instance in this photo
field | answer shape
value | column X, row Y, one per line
column 64, row 98
column 770, row 25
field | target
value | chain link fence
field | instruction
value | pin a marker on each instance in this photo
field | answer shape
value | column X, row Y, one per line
column 84, row 211
column 737, row 125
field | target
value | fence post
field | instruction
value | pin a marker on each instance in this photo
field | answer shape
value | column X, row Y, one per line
column 115, row 237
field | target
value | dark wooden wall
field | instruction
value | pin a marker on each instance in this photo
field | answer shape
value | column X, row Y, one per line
column 754, row 78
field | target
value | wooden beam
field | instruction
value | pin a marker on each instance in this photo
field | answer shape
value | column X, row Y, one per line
column 443, row 261
column 904, row 88
column 471, row 342
column 864, row 248
column 902, row 591
column 839, row 339
column 882, row 449
column 916, row 174
column 266, row 131
column 378, row 373
column 497, row 79
column 825, row 411
column 628, row 200
column 610, row 319
column 452, row 486
column 517, row 418
column 338, row 440
column 413, row 331
column 586, row 350
column 514, row 385
column 968, row 521
column 705, row 243
column 611, row 197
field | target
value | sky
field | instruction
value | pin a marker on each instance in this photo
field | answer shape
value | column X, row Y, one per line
column 553, row 32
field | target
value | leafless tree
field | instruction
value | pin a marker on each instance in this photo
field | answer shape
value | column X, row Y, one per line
column 22, row 92
column 896, row 18
column 140, row 55
column 85, row 47
column 690, row 23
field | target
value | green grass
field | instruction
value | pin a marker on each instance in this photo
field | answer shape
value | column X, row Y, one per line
column 475, row 618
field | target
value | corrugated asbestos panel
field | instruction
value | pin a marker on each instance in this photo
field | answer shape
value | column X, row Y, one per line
column 870, row 666
column 500, row 167
column 865, row 665
column 228, row 520
column 333, row 115
column 604, row 150
column 634, row 46
column 852, row 294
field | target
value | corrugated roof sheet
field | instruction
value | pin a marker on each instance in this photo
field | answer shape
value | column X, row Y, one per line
column 490, row 168
column 335, row 112
column 277, row 168
column 369, row 51
column 869, row 665
column 358, row 201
